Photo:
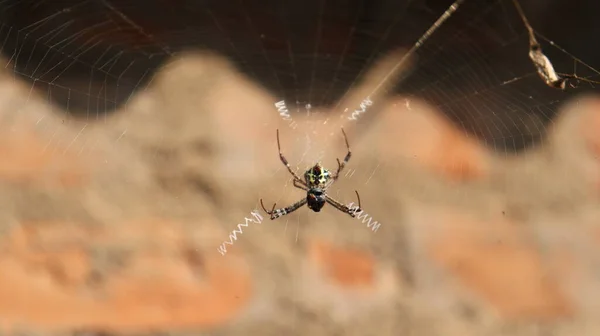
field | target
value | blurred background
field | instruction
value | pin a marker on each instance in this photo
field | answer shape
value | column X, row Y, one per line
column 136, row 136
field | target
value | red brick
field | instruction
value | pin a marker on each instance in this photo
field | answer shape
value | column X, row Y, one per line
column 26, row 158
column 494, row 260
column 415, row 131
column 349, row 268
column 43, row 286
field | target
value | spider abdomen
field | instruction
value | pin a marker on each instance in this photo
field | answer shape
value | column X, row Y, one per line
column 316, row 199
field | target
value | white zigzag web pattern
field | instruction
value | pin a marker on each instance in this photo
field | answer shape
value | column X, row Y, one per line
column 364, row 105
column 233, row 235
column 374, row 226
column 285, row 113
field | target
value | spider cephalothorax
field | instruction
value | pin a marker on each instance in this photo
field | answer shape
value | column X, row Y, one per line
column 317, row 176
column 316, row 182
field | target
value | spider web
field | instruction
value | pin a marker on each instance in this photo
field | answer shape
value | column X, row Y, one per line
column 472, row 66
column 91, row 57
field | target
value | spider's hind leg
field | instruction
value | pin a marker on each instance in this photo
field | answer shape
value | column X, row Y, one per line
column 350, row 211
column 276, row 213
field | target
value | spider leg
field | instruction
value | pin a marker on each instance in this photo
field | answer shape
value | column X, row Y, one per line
column 267, row 211
column 577, row 78
column 300, row 186
column 342, row 164
column 276, row 213
column 350, row 211
column 358, row 196
column 285, row 161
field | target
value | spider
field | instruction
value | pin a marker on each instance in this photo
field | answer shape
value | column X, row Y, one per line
column 316, row 182
column 543, row 65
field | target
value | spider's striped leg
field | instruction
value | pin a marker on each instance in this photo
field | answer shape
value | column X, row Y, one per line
column 286, row 163
column 342, row 164
column 276, row 213
column 350, row 211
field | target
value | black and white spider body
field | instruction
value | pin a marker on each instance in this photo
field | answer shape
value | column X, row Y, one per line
column 316, row 181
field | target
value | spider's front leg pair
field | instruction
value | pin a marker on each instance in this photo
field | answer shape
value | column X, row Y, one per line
column 341, row 165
